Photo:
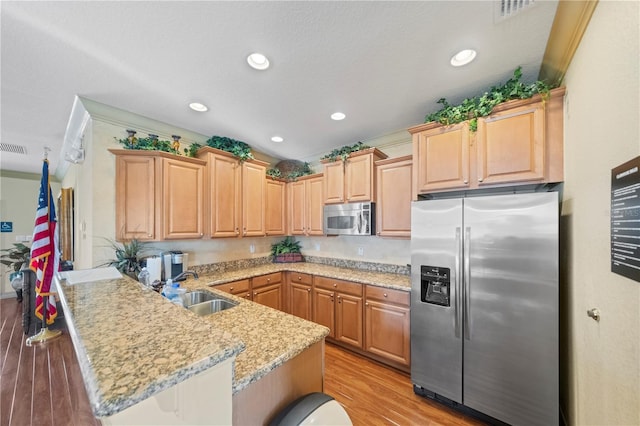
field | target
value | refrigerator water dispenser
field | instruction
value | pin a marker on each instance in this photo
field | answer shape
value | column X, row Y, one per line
column 435, row 282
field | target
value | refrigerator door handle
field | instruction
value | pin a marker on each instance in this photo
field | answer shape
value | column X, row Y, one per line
column 467, row 279
column 457, row 286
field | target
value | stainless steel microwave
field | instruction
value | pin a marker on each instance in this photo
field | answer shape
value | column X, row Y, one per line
column 350, row 219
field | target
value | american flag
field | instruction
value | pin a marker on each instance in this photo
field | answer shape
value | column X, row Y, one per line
column 45, row 253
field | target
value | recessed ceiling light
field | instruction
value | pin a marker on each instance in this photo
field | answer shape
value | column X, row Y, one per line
column 338, row 116
column 258, row 61
column 463, row 57
column 277, row 139
column 197, row 106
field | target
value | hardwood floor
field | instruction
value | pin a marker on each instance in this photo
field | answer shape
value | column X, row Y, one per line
column 42, row 384
column 373, row 394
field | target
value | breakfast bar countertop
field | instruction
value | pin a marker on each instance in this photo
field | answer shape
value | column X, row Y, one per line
column 132, row 343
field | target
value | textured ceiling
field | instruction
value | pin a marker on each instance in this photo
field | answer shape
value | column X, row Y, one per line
column 384, row 64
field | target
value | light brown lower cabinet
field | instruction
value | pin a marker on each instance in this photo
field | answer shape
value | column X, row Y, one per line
column 337, row 304
column 300, row 295
column 241, row 288
column 387, row 331
column 268, row 290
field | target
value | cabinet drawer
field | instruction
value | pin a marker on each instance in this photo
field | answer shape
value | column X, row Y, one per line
column 388, row 295
column 338, row 285
column 263, row 280
column 297, row 277
column 234, row 287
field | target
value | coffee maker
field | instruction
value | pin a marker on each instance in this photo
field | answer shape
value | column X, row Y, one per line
column 173, row 264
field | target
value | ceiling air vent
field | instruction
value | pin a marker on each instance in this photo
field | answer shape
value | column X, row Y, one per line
column 14, row 149
column 505, row 9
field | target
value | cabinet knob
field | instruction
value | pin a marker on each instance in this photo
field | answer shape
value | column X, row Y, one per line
column 378, row 232
column 309, row 290
column 299, row 277
column 335, row 285
column 366, row 304
column 201, row 234
column 149, row 235
column 479, row 179
column 268, row 279
column 248, row 295
column 465, row 181
column 384, row 294
column 255, row 293
column 230, row 288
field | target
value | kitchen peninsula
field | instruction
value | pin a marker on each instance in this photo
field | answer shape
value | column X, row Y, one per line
column 145, row 359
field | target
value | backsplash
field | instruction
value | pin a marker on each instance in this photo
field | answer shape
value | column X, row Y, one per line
column 341, row 263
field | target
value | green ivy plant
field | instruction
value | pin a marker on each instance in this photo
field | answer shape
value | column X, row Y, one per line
column 239, row 149
column 344, row 152
column 481, row 106
column 150, row 143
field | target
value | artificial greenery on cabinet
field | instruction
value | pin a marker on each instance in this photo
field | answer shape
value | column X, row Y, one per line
column 343, row 153
column 481, row 106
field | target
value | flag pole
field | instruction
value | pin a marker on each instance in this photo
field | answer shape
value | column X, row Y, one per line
column 45, row 334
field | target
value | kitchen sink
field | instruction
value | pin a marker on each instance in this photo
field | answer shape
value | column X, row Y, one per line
column 195, row 297
column 205, row 303
column 211, row 307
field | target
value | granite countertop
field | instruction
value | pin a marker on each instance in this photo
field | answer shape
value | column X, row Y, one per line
column 132, row 343
column 380, row 279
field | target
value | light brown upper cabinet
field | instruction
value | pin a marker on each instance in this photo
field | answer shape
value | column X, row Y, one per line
column 158, row 196
column 521, row 142
column 306, row 205
column 393, row 178
column 235, row 194
column 276, row 202
column 253, row 198
column 352, row 180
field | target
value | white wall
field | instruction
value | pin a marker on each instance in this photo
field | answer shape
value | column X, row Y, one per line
column 18, row 202
column 602, row 361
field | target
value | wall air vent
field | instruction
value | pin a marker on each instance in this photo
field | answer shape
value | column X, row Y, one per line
column 14, row 149
column 505, row 9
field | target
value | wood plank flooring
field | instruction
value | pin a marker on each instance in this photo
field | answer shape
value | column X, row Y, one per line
column 42, row 384
column 371, row 393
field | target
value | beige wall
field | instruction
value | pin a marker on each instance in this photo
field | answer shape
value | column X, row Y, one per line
column 601, row 362
column 18, row 203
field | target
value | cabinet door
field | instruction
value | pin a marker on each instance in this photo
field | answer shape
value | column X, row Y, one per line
column 300, row 304
column 275, row 216
column 241, row 288
column 510, row 146
column 349, row 320
column 314, row 206
column 334, row 182
column 297, row 207
column 135, row 197
column 442, row 158
column 394, row 198
column 253, row 199
column 323, row 309
column 358, row 173
column 269, row 295
column 387, row 331
column 183, row 199
column 225, row 198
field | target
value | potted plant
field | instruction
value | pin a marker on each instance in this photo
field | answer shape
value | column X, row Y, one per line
column 128, row 257
column 16, row 257
column 286, row 251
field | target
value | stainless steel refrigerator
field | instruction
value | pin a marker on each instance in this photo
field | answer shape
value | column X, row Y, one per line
column 484, row 304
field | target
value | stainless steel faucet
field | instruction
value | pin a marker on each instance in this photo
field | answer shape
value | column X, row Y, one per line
column 183, row 275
